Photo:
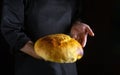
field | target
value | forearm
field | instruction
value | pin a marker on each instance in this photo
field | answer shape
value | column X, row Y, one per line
column 28, row 48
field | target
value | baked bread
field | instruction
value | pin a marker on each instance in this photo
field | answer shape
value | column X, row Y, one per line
column 60, row 48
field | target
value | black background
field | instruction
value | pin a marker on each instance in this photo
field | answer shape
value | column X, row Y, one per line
column 6, row 60
column 102, row 52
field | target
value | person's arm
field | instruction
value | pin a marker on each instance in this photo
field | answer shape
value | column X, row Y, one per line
column 78, row 11
column 12, row 27
column 80, row 30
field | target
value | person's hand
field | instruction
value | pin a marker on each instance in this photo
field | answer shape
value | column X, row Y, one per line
column 80, row 31
column 29, row 49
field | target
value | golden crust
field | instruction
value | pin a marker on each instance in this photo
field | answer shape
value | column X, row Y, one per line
column 58, row 48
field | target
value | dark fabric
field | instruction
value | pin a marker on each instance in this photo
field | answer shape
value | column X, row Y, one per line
column 30, row 19
column 30, row 66
column 24, row 20
column 12, row 24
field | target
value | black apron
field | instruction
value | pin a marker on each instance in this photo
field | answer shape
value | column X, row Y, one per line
column 26, row 65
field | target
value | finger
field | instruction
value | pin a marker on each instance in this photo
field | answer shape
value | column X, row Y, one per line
column 84, row 40
column 74, row 36
column 89, row 31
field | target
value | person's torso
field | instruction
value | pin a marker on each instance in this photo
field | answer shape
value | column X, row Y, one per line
column 43, row 17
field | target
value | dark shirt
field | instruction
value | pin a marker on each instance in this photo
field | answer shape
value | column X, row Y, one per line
column 24, row 20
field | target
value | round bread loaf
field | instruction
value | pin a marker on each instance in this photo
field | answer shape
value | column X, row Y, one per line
column 60, row 48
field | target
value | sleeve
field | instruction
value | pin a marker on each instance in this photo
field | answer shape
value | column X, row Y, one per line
column 12, row 24
column 79, row 11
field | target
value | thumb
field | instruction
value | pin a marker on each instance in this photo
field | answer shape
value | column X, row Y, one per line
column 84, row 40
